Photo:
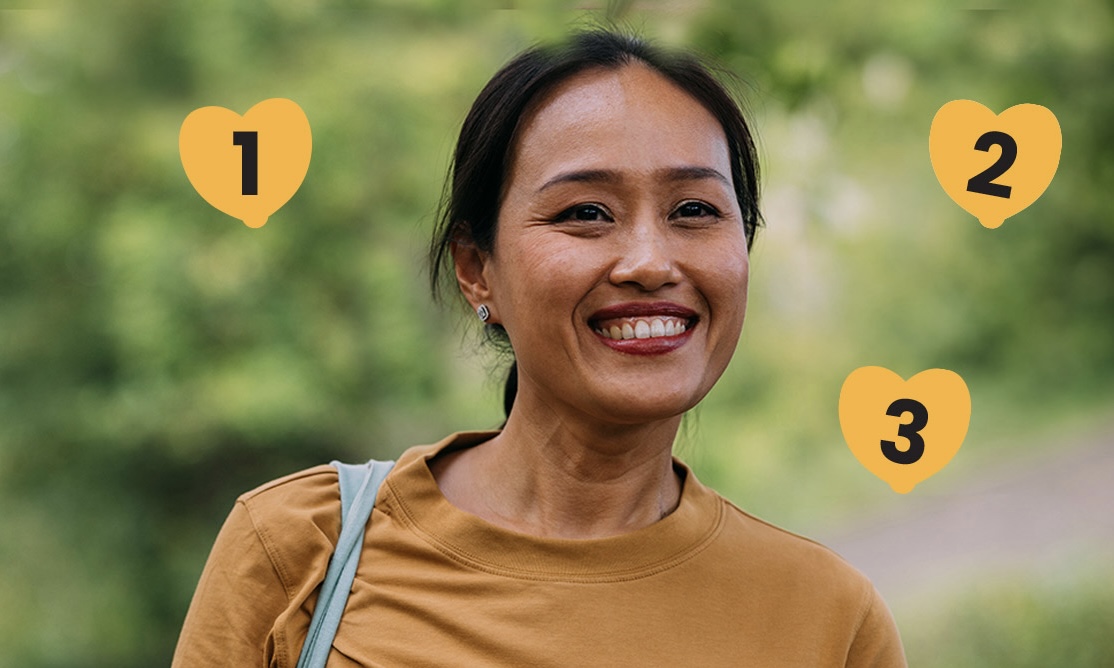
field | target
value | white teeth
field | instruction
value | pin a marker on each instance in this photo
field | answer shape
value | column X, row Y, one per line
column 644, row 329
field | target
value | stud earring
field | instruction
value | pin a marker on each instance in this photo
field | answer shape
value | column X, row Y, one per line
column 483, row 312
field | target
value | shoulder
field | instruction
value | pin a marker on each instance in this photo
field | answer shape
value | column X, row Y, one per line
column 296, row 518
column 778, row 556
column 264, row 565
column 294, row 486
column 789, row 570
column 310, row 496
column 803, row 575
column 791, row 555
column 779, row 563
column 298, row 515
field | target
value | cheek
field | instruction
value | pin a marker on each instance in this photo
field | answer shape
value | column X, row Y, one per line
column 547, row 268
column 727, row 276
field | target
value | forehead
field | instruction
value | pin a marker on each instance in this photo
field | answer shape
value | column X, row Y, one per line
column 629, row 119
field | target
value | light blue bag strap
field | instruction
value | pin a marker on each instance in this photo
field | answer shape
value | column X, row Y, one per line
column 359, row 485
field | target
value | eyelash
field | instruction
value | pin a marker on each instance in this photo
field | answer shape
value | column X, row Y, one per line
column 572, row 212
column 708, row 209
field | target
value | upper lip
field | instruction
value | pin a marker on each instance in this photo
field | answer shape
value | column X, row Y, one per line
column 644, row 309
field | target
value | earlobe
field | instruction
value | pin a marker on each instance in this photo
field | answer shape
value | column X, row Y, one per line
column 470, row 263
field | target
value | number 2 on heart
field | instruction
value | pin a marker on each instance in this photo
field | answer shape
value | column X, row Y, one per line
column 983, row 182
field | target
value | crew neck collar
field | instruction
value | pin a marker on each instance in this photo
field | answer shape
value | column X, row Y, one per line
column 412, row 491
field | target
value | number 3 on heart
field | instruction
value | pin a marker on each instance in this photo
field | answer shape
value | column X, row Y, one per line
column 904, row 431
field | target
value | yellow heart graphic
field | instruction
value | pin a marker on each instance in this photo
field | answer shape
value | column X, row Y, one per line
column 994, row 165
column 247, row 166
column 904, row 431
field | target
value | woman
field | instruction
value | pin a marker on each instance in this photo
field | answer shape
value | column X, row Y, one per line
column 603, row 199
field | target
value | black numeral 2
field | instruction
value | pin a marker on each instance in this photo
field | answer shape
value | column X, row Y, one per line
column 909, row 431
column 983, row 182
column 249, row 143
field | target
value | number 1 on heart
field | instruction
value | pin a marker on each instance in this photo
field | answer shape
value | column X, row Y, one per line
column 249, row 144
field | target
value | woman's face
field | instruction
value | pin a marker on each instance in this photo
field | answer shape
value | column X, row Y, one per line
column 620, row 264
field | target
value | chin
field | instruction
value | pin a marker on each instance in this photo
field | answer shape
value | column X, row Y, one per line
column 632, row 410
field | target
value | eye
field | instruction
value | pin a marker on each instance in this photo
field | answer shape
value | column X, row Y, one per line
column 583, row 212
column 695, row 210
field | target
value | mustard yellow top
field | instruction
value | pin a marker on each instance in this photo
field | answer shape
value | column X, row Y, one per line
column 708, row 585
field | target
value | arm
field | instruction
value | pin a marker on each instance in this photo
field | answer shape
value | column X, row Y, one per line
column 877, row 643
column 237, row 602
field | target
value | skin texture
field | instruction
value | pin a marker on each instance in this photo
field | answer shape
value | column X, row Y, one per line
column 619, row 193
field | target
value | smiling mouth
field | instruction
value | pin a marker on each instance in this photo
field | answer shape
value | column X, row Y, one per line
column 646, row 327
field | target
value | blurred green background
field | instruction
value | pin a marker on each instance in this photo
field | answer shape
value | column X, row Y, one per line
column 157, row 358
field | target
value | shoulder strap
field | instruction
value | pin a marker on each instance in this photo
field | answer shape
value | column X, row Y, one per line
column 359, row 485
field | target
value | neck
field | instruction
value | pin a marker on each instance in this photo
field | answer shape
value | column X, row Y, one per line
column 551, row 476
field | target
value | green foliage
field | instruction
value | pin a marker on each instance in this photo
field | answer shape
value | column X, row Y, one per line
column 867, row 261
column 1021, row 624
column 157, row 357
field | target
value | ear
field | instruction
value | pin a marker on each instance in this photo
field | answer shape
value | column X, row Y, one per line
column 472, row 267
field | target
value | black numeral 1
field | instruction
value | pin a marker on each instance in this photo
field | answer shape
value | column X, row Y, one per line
column 909, row 431
column 249, row 143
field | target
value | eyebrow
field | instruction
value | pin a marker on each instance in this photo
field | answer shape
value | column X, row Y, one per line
column 687, row 173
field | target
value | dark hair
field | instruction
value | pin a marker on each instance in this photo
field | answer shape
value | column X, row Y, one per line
column 470, row 207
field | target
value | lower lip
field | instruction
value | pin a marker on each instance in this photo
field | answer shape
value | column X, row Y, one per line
column 652, row 346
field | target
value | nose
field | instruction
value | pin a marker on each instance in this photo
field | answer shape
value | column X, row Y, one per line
column 645, row 257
